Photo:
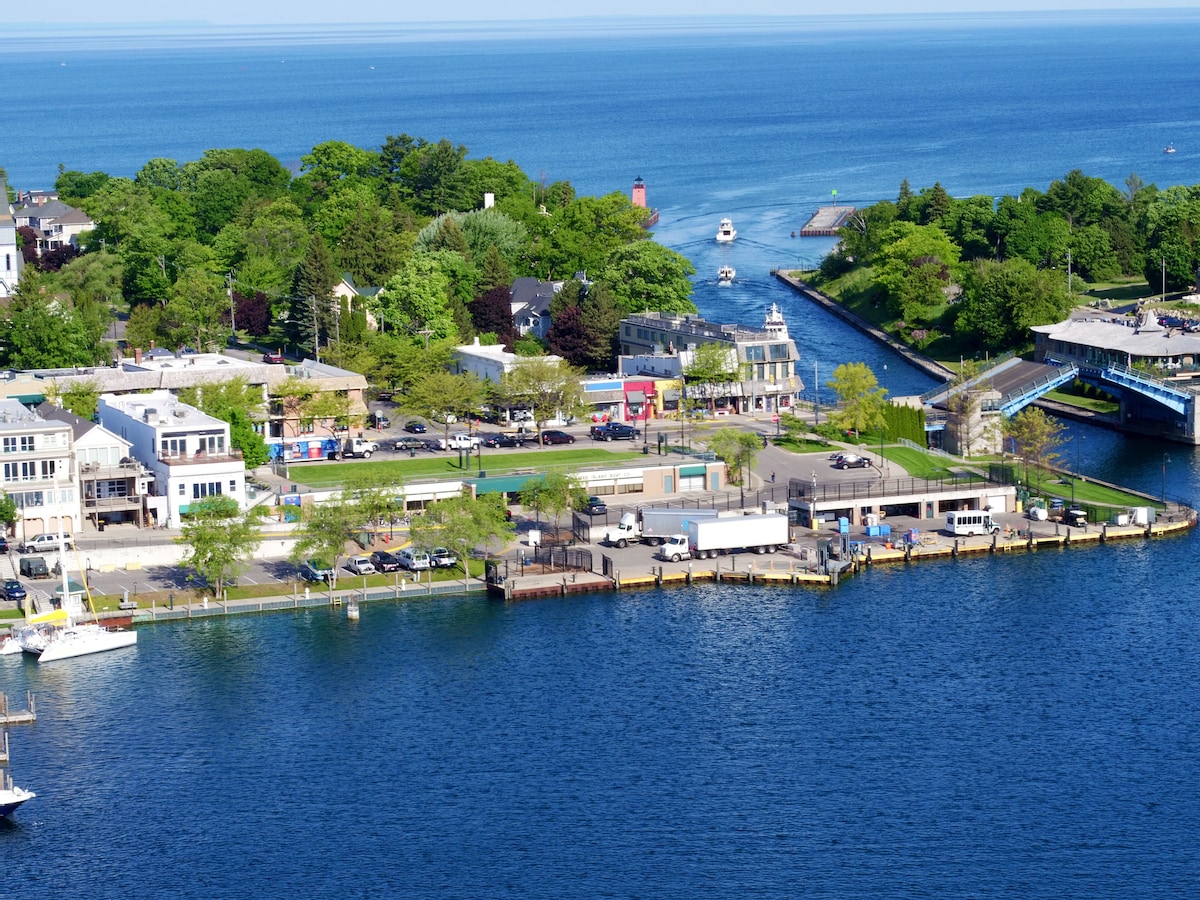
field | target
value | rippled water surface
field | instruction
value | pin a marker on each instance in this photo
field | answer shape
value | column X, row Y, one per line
column 1023, row 726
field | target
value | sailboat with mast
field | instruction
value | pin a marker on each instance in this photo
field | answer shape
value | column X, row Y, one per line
column 59, row 634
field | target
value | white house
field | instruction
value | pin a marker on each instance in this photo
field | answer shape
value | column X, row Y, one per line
column 113, row 486
column 11, row 260
column 188, row 451
column 488, row 362
column 37, row 470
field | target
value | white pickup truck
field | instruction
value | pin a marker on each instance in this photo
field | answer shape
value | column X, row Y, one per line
column 459, row 441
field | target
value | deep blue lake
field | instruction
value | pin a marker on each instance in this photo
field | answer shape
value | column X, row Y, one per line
column 1022, row 726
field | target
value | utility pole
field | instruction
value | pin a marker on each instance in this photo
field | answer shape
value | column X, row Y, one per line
column 316, row 329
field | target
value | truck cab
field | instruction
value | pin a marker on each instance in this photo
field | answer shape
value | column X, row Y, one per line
column 357, row 447
column 625, row 532
column 675, row 548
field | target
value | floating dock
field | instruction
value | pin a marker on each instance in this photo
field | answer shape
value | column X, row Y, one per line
column 18, row 717
column 827, row 221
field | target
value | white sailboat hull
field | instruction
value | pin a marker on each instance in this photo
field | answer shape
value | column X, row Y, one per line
column 81, row 640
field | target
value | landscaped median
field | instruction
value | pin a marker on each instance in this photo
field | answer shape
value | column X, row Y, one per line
column 333, row 474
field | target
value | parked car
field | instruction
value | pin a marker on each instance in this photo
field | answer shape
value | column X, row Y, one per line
column 503, row 440
column 557, row 437
column 414, row 427
column 595, row 506
column 414, row 560
column 12, row 590
column 442, row 558
column 41, row 543
column 850, row 461
column 315, row 570
column 273, row 357
column 3, row 544
column 615, row 431
column 385, row 561
column 360, row 565
column 404, row 445
column 378, row 420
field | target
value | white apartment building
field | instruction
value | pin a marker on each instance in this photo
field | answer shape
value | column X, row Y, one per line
column 37, row 470
column 188, row 452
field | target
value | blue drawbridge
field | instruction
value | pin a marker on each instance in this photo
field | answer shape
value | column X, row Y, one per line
column 1148, row 404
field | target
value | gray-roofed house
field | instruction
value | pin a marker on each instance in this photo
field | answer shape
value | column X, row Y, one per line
column 57, row 224
column 530, row 301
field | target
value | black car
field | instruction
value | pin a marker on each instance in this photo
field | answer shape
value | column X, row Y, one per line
column 414, row 427
column 12, row 590
column 852, row 462
column 384, row 561
column 500, row 440
column 595, row 506
column 557, row 437
column 3, row 544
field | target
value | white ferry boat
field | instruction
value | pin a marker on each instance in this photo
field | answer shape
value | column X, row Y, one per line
column 726, row 231
column 726, row 274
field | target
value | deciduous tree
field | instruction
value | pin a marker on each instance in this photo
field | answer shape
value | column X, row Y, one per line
column 221, row 540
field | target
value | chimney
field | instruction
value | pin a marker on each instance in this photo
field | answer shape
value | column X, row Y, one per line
column 137, row 355
column 152, row 345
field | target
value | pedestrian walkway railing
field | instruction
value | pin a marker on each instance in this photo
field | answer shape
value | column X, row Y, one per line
column 803, row 490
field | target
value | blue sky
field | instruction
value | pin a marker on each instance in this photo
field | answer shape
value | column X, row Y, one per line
column 296, row 12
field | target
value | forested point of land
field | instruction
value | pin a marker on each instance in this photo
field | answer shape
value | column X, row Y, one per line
column 953, row 276
column 187, row 252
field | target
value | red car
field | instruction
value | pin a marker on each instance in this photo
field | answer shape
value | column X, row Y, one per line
column 557, row 437
column 273, row 357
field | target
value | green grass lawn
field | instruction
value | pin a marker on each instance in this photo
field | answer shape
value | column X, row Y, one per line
column 1107, row 407
column 918, row 464
column 445, row 465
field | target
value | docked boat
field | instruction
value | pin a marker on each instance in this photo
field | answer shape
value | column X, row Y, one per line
column 10, row 645
column 726, row 232
column 12, row 796
column 726, row 274
column 54, row 635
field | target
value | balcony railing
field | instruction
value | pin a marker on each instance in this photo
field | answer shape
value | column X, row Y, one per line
column 200, row 457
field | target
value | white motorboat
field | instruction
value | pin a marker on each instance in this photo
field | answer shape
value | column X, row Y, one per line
column 1170, row 148
column 726, row 274
column 726, row 231
column 10, row 645
column 12, row 796
column 53, row 636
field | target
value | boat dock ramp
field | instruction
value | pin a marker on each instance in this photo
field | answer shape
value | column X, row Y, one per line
column 827, row 221
column 26, row 716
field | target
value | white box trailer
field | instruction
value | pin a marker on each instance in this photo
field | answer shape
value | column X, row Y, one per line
column 653, row 525
column 716, row 537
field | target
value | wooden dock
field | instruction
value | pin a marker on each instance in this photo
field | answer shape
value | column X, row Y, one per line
column 18, row 717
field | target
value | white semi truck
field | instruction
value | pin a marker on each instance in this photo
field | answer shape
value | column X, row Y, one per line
column 653, row 525
column 715, row 537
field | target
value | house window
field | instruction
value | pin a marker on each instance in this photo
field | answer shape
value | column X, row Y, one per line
column 182, row 490
column 779, row 351
column 173, row 447
column 232, row 486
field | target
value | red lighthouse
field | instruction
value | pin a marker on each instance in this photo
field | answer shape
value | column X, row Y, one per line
column 638, row 198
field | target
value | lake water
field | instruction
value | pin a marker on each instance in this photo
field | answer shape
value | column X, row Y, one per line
column 1022, row 726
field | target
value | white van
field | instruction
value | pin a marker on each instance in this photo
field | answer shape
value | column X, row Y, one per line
column 970, row 521
column 413, row 560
